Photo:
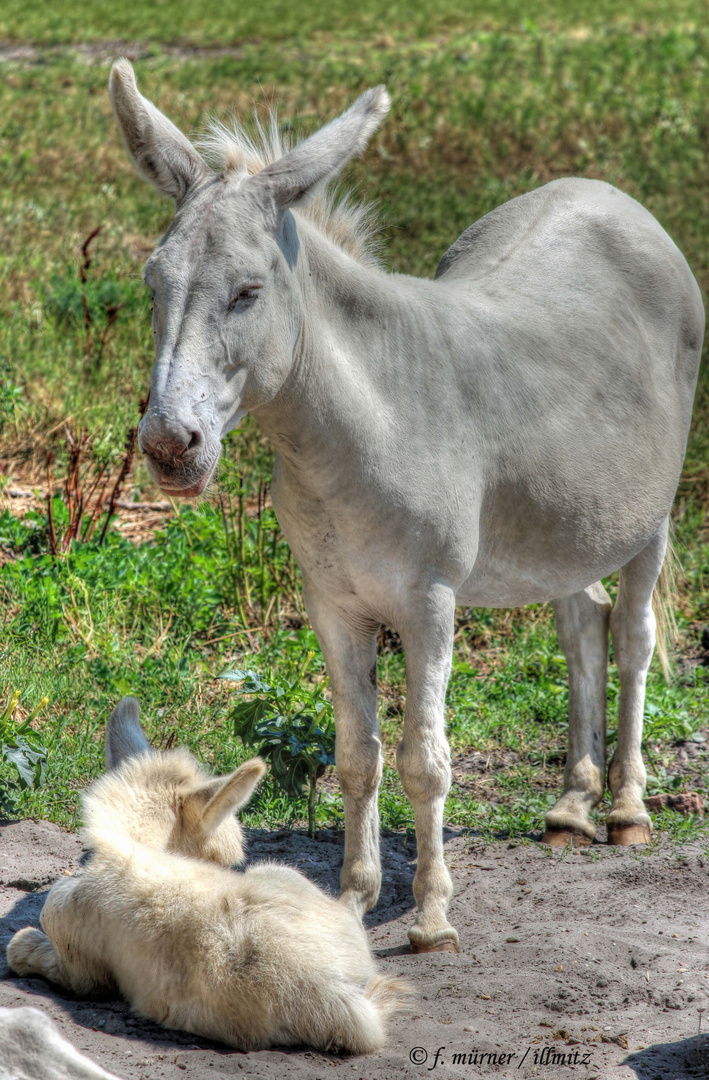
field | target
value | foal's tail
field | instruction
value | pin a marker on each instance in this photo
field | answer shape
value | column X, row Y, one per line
column 388, row 994
column 663, row 598
column 359, row 1024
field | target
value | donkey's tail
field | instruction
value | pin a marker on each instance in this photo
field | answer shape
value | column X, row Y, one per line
column 663, row 599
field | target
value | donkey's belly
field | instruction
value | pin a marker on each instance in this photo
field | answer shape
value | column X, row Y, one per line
column 527, row 554
column 506, row 586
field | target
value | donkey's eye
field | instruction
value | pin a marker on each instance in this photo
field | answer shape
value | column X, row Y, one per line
column 246, row 295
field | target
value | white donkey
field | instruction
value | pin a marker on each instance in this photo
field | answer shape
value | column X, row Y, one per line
column 507, row 433
column 251, row 959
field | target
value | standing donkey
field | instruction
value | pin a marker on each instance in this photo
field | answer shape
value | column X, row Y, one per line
column 507, row 433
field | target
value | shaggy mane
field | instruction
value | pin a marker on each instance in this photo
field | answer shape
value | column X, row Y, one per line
column 351, row 225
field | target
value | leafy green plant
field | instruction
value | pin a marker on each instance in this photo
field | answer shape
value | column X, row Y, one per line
column 23, row 759
column 290, row 724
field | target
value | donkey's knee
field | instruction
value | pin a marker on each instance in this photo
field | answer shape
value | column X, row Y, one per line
column 633, row 641
column 424, row 768
column 582, row 626
column 359, row 765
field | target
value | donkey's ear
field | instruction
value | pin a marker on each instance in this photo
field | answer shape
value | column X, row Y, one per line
column 324, row 154
column 214, row 800
column 159, row 150
column 124, row 735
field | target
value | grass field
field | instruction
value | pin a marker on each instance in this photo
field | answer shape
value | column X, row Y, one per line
column 489, row 101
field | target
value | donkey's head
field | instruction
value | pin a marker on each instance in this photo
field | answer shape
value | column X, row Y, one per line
column 227, row 312
column 166, row 800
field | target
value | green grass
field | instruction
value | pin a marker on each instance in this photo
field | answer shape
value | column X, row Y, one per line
column 205, row 23
column 489, row 101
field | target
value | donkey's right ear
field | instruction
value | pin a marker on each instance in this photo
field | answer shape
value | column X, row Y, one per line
column 124, row 735
column 216, row 798
column 160, row 152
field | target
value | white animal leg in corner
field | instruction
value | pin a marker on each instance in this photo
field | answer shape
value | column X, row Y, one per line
column 32, row 1046
column 582, row 629
column 633, row 630
column 423, row 761
column 350, row 651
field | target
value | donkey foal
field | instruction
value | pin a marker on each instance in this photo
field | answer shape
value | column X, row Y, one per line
column 251, row 959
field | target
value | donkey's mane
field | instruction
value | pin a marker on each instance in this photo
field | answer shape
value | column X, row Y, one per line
column 349, row 224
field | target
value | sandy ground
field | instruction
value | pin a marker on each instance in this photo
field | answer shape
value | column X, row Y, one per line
column 600, row 957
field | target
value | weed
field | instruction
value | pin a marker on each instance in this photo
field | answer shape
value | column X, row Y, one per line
column 23, row 759
column 290, row 724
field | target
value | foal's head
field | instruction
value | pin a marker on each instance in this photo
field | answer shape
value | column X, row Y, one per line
column 166, row 800
column 227, row 312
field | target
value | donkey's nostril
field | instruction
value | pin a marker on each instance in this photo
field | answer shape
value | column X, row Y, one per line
column 165, row 439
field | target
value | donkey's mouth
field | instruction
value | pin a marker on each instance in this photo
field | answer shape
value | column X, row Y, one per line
column 186, row 492
column 184, row 486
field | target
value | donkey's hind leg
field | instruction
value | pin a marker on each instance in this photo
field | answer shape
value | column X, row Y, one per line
column 582, row 629
column 633, row 631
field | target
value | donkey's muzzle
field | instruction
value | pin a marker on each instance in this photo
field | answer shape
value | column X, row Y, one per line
column 167, row 441
column 178, row 455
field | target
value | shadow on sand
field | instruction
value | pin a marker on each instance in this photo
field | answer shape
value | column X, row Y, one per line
column 686, row 1058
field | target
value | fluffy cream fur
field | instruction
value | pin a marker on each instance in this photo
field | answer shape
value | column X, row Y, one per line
column 251, row 959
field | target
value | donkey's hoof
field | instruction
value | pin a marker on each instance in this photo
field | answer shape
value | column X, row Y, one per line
column 437, row 946
column 564, row 837
column 625, row 835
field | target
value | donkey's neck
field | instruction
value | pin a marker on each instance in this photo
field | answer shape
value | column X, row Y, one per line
column 354, row 362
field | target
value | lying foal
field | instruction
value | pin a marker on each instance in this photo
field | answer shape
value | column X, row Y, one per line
column 252, row 959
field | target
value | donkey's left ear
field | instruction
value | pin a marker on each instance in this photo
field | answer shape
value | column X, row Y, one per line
column 160, row 152
column 324, row 154
column 125, row 737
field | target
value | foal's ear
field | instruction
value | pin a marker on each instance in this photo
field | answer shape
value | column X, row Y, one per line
column 124, row 735
column 159, row 150
column 324, row 154
column 216, row 799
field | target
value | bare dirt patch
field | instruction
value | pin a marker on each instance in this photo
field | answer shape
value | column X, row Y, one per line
column 591, row 965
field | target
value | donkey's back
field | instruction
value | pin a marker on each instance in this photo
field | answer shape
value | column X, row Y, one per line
column 572, row 233
column 585, row 248
column 588, row 335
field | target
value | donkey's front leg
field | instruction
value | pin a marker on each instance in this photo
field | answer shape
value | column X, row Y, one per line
column 423, row 761
column 349, row 646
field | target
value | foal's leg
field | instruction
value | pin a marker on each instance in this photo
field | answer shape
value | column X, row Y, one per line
column 350, row 651
column 30, row 953
column 423, row 761
column 582, row 629
column 66, row 954
column 633, row 630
